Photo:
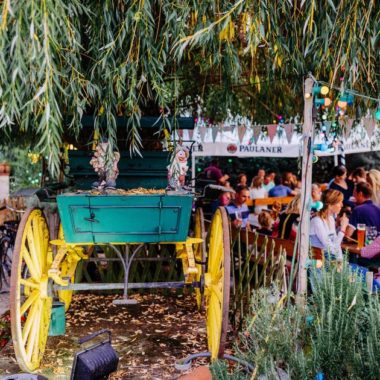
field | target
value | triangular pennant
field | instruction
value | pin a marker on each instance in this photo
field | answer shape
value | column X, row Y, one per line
column 191, row 132
column 342, row 123
column 349, row 124
column 214, row 131
column 180, row 133
column 369, row 124
column 202, row 132
column 327, row 125
column 272, row 129
column 233, row 128
column 256, row 133
column 241, row 132
column 289, row 130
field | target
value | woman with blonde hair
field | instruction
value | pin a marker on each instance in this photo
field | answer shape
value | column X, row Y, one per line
column 373, row 178
column 289, row 219
column 266, row 222
column 323, row 231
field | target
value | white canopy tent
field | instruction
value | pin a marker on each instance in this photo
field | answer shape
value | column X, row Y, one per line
column 235, row 142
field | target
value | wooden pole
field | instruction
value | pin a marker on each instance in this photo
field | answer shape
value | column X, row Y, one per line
column 307, row 156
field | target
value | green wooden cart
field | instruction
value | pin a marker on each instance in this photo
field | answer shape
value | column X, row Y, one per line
column 44, row 268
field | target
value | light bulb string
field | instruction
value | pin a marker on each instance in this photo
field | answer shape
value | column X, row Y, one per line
column 349, row 91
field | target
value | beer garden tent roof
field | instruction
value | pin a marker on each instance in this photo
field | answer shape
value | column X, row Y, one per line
column 225, row 141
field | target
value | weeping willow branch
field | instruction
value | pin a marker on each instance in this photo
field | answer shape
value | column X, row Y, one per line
column 61, row 59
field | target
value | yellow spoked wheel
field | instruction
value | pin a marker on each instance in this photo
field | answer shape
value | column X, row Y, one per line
column 30, row 298
column 217, row 283
column 199, row 254
column 67, row 269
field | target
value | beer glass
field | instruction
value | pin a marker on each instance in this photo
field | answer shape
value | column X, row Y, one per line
column 361, row 234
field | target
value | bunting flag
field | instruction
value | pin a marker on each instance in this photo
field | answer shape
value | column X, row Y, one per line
column 272, row 129
column 256, row 133
column 180, row 133
column 202, row 132
column 349, row 124
column 233, row 128
column 327, row 124
column 369, row 124
column 241, row 132
column 228, row 129
column 191, row 132
column 342, row 123
column 214, row 131
column 289, row 130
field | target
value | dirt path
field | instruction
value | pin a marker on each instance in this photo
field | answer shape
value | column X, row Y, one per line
column 148, row 337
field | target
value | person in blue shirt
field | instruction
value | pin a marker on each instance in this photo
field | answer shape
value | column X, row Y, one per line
column 238, row 210
column 366, row 212
column 279, row 190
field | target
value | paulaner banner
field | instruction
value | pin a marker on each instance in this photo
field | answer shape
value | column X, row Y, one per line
column 246, row 150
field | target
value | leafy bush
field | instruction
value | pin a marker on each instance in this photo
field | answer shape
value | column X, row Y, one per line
column 336, row 332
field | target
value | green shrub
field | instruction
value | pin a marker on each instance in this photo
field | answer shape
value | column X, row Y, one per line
column 336, row 332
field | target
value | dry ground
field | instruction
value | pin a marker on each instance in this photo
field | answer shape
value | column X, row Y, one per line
column 149, row 337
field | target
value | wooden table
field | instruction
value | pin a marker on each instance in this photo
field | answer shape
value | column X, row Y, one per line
column 351, row 248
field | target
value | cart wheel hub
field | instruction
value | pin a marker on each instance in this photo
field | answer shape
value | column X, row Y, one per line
column 44, row 286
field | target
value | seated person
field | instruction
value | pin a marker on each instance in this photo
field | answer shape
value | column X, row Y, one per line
column 289, row 220
column 223, row 200
column 214, row 173
column 269, row 181
column 323, row 231
column 365, row 212
column 359, row 175
column 342, row 184
column 289, row 180
column 325, row 235
column 257, row 191
column 279, row 190
column 266, row 222
column 370, row 257
column 242, row 180
column 238, row 210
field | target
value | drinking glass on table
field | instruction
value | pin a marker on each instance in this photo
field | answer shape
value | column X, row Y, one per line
column 361, row 234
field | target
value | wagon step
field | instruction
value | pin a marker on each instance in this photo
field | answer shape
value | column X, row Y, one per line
column 125, row 301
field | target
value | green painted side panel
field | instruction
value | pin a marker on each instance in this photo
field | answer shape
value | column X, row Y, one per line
column 149, row 171
column 124, row 219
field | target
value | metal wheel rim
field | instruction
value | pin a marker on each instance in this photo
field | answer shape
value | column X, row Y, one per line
column 217, row 290
column 30, row 303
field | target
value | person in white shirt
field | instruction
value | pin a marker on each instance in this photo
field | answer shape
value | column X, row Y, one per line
column 257, row 191
column 323, row 231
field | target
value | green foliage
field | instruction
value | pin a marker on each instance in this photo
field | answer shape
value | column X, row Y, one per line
column 25, row 167
column 336, row 333
column 61, row 59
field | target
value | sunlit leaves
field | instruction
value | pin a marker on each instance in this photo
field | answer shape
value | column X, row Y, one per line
column 64, row 58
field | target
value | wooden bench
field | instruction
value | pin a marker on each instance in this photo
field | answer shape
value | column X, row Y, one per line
column 276, row 245
column 268, row 201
